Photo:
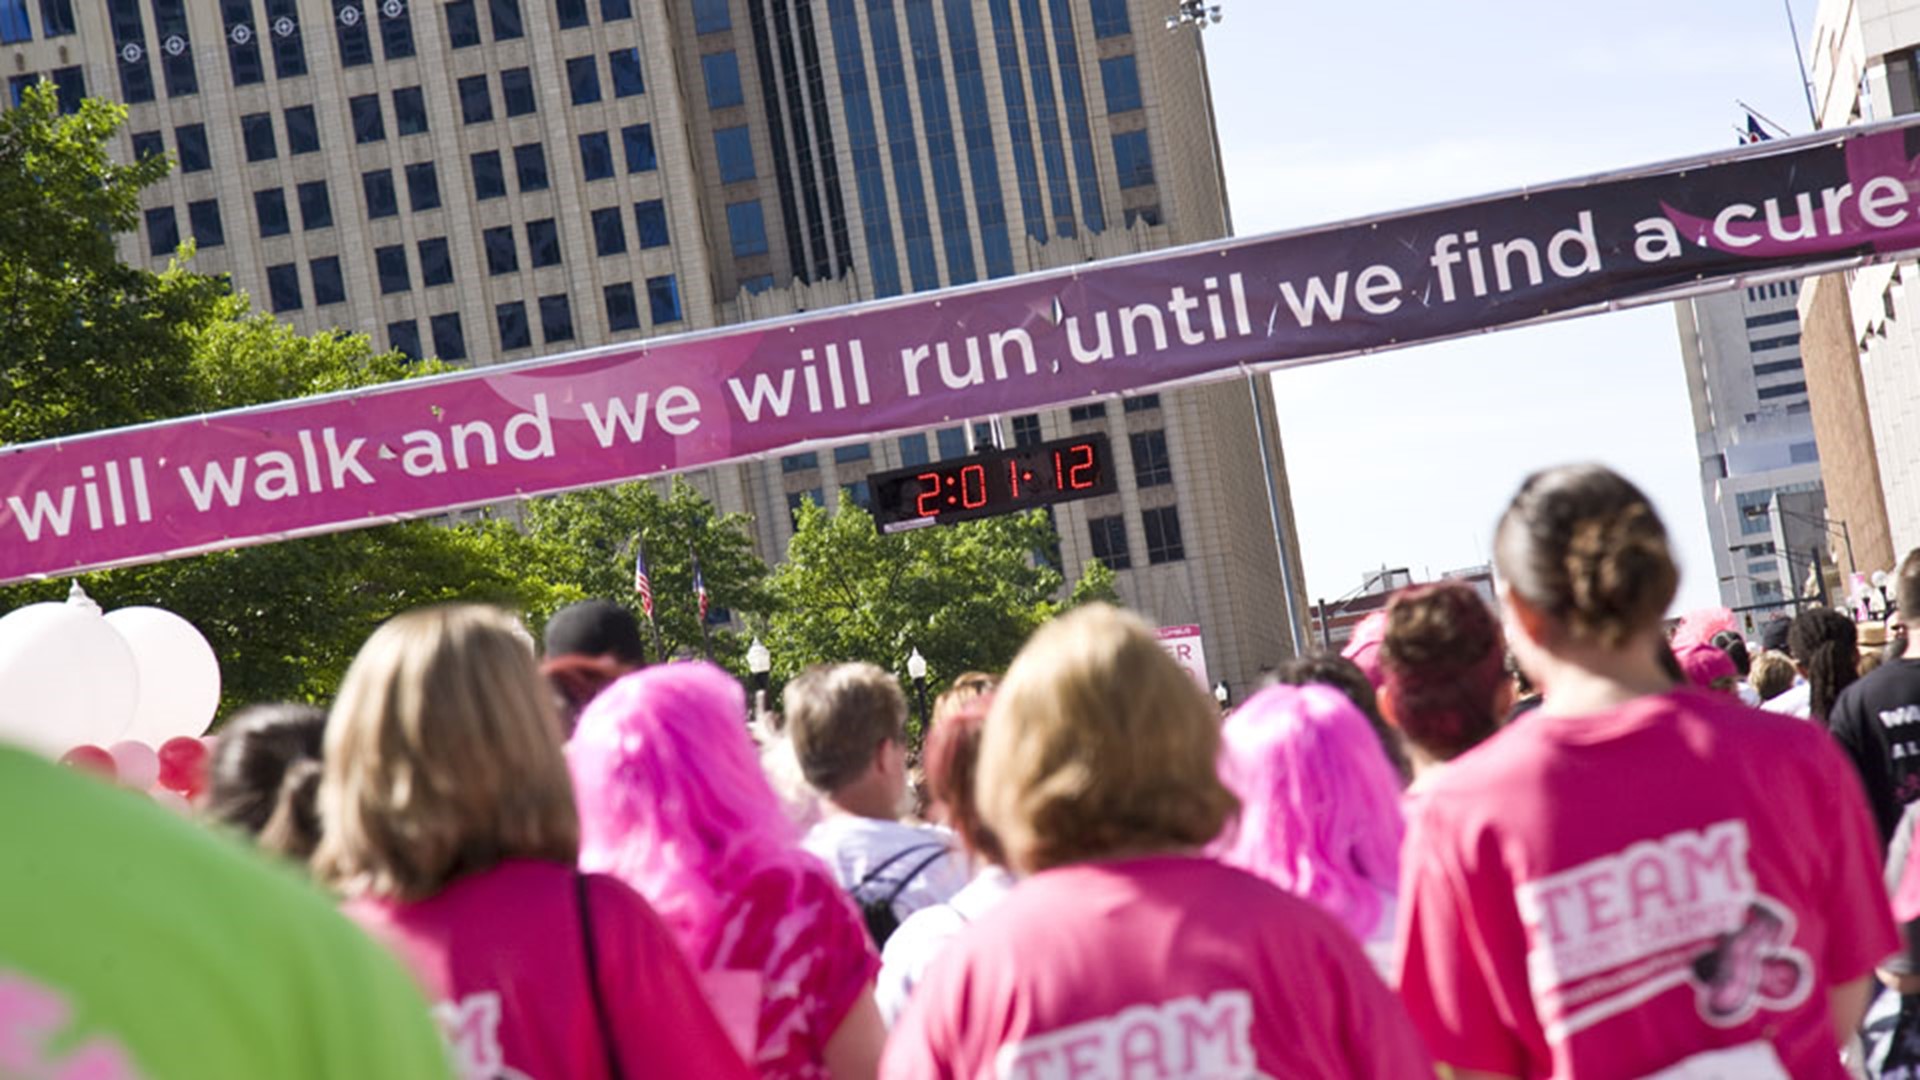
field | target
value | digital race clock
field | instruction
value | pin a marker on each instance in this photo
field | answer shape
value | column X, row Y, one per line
column 994, row 482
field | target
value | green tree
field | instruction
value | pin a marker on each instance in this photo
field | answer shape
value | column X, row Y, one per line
column 967, row 596
column 587, row 539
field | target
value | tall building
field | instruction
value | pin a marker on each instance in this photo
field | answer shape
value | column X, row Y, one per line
column 1753, row 427
column 484, row 180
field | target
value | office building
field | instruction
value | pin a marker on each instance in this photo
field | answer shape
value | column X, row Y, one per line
column 489, row 180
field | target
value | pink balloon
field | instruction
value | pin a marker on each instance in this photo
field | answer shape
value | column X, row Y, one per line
column 135, row 763
column 183, row 765
column 91, row 759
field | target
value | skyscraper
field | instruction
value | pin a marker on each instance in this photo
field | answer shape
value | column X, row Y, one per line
column 484, row 180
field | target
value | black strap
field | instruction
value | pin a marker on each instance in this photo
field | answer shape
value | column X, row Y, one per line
column 873, row 875
column 901, row 885
column 593, row 974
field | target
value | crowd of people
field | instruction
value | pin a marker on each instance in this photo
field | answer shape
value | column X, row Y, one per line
column 1556, row 839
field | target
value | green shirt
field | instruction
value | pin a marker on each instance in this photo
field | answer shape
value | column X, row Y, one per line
column 137, row 943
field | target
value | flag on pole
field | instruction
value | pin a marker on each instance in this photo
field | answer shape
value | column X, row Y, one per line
column 699, row 585
column 1755, row 133
column 642, row 584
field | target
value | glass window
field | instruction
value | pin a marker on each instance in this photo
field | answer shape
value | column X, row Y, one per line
column 449, row 340
column 583, row 79
column 1026, row 430
column 1148, row 214
column 476, row 105
column 404, row 338
column 710, row 15
column 283, row 287
column 858, row 493
column 368, row 124
column 148, row 144
column 391, row 263
column 735, row 149
column 350, row 30
column 663, row 298
column 303, row 130
column 793, row 463
column 1133, row 159
column 316, row 207
column 69, row 88
column 1108, row 538
column 516, row 91
column 611, row 10
column 530, row 162
column 572, row 13
column 506, row 19
column 757, row 284
column 609, row 232
column 409, row 110
column 190, row 142
column 596, row 156
column 913, row 450
column 489, row 179
column 436, row 262
column 463, row 24
column 270, row 209
column 163, row 231
column 328, row 286
column 622, row 312
column 543, row 243
column 638, row 141
column 1121, row 78
column 1152, row 466
column 396, row 29
column 795, row 499
column 1163, row 535
column 423, row 186
column 556, row 319
column 502, row 256
column 650, row 223
column 283, row 27
column 843, row 455
column 56, row 18
column 1141, row 403
column 15, row 25
column 256, row 132
column 203, row 218
column 243, row 42
column 624, row 66
column 176, row 55
column 952, row 442
column 1081, row 414
column 1110, row 18
column 747, row 225
column 129, row 42
column 722, row 72
column 511, row 319
column 377, row 186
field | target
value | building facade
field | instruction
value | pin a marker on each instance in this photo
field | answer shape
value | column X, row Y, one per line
column 490, row 180
column 1753, row 426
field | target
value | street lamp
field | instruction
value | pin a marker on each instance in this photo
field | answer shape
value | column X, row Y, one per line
column 1221, row 695
column 759, row 663
column 917, row 671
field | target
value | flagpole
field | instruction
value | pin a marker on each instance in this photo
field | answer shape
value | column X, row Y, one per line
column 640, row 552
column 1806, row 84
column 700, row 602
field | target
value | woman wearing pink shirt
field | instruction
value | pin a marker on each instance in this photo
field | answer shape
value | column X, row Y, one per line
column 674, row 803
column 1124, row 951
column 1634, row 879
column 448, row 823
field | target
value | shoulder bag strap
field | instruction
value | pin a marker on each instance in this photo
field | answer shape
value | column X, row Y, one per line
column 901, row 885
column 593, row 975
column 873, row 875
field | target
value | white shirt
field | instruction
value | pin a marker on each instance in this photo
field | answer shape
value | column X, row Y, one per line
column 1796, row 700
column 926, row 933
column 854, row 847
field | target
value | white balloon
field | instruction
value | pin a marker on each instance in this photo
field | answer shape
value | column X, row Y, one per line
column 66, row 678
column 179, row 675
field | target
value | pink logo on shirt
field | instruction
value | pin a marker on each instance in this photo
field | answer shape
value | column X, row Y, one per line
column 1201, row 1039
column 471, row 1028
column 32, row 1017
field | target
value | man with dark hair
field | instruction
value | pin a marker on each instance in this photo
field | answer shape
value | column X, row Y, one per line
column 1877, row 718
column 600, row 629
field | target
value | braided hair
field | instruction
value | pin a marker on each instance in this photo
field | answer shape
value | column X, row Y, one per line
column 1825, row 644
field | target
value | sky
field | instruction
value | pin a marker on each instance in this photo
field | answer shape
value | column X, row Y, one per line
column 1328, row 111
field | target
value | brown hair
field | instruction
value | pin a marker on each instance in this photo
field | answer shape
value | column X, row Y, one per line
column 442, row 758
column 838, row 715
column 1098, row 745
column 1324, row 667
column 1581, row 543
column 265, row 776
column 953, row 763
column 1771, row 675
column 1444, row 659
column 1906, row 588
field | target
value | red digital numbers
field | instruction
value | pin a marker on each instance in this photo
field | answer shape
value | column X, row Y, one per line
column 1013, row 477
column 930, row 490
column 973, row 486
column 1080, row 475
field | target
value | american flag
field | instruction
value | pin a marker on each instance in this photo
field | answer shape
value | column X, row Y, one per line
column 699, row 584
column 642, row 584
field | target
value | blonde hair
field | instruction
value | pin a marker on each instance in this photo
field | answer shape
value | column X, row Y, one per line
column 838, row 715
column 1097, row 745
column 1771, row 674
column 442, row 758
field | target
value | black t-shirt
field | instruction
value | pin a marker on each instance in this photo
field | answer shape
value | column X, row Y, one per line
column 1878, row 720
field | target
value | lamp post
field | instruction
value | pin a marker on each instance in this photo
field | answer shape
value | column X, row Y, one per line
column 759, row 663
column 917, row 671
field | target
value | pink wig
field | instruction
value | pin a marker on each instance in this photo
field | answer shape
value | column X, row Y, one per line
column 1698, row 627
column 672, row 797
column 1319, row 804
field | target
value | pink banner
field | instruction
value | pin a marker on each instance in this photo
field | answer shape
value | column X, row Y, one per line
column 423, row 447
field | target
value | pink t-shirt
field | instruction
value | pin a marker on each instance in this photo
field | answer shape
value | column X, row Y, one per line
column 791, row 947
column 500, row 955
column 1161, row 966
column 1680, row 880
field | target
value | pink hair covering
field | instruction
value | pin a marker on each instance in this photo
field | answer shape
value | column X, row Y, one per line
column 1364, row 647
column 1705, row 663
column 1699, row 626
column 1319, row 803
column 672, row 797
